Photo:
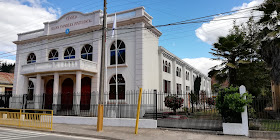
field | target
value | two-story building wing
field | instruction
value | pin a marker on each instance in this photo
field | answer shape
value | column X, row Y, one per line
column 63, row 59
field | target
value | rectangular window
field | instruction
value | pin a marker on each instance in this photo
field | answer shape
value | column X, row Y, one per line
column 179, row 89
column 166, row 86
column 121, row 92
column 169, row 84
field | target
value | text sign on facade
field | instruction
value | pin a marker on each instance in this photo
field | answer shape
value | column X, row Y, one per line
column 72, row 22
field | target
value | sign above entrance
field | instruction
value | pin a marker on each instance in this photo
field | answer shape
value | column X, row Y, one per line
column 72, row 21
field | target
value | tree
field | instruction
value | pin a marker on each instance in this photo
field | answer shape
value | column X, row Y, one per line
column 230, row 50
column 174, row 102
column 7, row 67
column 255, row 77
column 197, row 83
column 194, row 96
column 242, row 64
column 270, row 44
column 269, row 37
column 230, row 104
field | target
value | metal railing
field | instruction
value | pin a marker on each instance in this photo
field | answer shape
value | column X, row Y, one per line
column 33, row 118
column 264, row 115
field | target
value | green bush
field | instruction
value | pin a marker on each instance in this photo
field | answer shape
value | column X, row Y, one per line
column 230, row 104
column 174, row 102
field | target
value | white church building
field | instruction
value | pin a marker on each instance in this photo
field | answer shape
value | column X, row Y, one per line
column 64, row 57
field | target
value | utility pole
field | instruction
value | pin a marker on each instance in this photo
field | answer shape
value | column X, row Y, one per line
column 102, row 72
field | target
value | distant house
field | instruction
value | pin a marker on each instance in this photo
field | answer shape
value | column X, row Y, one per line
column 6, row 82
column 214, row 81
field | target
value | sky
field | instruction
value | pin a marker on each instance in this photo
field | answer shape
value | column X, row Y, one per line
column 190, row 42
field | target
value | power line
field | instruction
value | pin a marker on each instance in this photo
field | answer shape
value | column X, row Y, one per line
column 180, row 23
column 150, row 27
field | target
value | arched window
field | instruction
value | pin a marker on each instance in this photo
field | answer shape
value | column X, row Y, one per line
column 169, row 67
column 53, row 55
column 121, row 87
column 186, row 75
column 86, row 52
column 69, row 53
column 31, row 58
column 120, row 50
column 177, row 71
column 30, row 91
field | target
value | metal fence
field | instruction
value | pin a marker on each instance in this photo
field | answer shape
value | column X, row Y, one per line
column 197, row 112
column 86, row 104
column 264, row 115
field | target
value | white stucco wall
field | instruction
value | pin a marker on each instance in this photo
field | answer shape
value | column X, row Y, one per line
column 123, row 122
column 143, row 64
column 165, row 55
column 128, row 69
column 150, row 61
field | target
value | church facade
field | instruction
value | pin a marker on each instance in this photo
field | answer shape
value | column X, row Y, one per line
column 64, row 57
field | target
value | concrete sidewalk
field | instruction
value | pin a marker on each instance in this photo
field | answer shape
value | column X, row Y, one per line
column 127, row 133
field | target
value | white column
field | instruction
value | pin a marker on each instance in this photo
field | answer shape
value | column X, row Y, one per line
column 183, row 72
column 160, row 72
column 173, row 82
column 24, row 90
column 77, row 95
column 42, row 91
column 37, row 92
column 55, row 91
column 25, row 84
column 94, row 96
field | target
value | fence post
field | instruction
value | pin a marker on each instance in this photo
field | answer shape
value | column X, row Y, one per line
column 52, row 119
column 19, row 117
column 244, row 115
column 155, row 92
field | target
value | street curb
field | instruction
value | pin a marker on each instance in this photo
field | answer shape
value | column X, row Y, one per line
column 264, row 134
column 63, row 133
column 193, row 131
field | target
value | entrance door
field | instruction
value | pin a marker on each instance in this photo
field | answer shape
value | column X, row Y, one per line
column 67, row 94
column 85, row 93
column 49, row 95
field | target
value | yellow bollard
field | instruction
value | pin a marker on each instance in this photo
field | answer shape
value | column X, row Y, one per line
column 100, row 118
column 138, row 111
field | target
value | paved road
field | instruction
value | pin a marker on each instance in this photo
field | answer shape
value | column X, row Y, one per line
column 17, row 134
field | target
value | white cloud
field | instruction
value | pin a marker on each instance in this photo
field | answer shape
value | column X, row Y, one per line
column 7, row 61
column 211, row 31
column 202, row 64
column 18, row 16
